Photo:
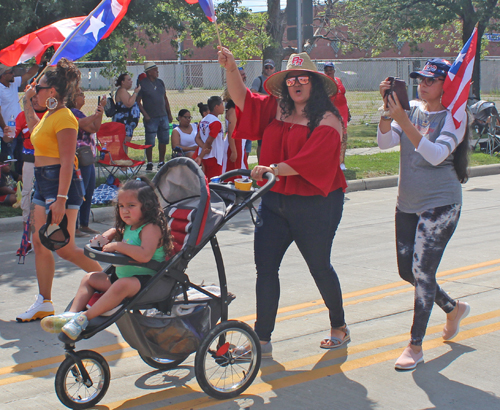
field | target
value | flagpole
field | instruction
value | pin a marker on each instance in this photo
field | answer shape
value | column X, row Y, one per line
column 217, row 30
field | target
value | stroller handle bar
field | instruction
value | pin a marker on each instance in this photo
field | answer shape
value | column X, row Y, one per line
column 269, row 176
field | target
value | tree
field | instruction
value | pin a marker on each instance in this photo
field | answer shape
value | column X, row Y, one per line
column 379, row 25
column 145, row 21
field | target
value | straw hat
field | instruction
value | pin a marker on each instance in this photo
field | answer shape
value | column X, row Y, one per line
column 4, row 69
column 149, row 66
column 302, row 62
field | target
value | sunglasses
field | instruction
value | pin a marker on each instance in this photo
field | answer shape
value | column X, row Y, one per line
column 302, row 80
column 428, row 81
column 187, row 117
column 268, row 67
column 38, row 87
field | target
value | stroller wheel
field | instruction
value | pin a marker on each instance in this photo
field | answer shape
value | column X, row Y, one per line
column 71, row 388
column 161, row 364
column 228, row 360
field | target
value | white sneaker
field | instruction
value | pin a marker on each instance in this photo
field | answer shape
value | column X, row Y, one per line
column 38, row 310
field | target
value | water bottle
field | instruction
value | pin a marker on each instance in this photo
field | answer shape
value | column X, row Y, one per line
column 12, row 126
column 103, row 152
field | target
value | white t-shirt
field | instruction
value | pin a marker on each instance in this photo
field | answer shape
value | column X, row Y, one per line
column 217, row 151
column 9, row 100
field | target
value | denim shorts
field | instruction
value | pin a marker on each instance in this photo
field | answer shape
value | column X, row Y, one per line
column 157, row 126
column 47, row 186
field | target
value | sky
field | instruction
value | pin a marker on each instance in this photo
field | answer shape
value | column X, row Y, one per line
column 258, row 5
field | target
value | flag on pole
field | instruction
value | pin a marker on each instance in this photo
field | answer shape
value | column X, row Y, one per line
column 97, row 25
column 207, row 6
column 457, row 83
column 36, row 43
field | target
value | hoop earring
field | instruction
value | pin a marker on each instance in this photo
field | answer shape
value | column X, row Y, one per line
column 51, row 103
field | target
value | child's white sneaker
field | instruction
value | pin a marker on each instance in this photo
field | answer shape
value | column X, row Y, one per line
column 54, row 324
column 75, row 326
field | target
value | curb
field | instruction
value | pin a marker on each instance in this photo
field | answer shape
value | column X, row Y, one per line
column 107, row 213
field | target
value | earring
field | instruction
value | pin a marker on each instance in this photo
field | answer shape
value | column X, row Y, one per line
column 51, row 103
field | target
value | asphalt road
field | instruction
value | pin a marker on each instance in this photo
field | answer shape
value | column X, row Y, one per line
column 462, row 374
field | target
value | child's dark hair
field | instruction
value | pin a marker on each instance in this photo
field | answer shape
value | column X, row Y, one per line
column 150, row 208
column 213, row 102
column 203, row 108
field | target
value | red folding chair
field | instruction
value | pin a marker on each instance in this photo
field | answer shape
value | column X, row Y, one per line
column 113, row 158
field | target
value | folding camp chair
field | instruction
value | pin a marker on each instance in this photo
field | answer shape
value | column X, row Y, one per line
column 113, row 158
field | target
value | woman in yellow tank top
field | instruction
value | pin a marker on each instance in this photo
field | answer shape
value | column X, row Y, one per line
column 58, row 188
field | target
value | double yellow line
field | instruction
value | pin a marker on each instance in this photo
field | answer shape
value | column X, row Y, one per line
column 286, row 313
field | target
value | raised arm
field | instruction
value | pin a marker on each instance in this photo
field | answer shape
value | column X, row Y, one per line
column 31, row 118
column 127, row 99
column 235, row 84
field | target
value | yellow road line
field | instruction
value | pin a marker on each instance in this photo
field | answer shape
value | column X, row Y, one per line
column 318, row 303
column 309, row 375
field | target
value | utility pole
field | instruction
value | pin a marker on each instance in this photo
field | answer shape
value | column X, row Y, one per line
column 300, row 41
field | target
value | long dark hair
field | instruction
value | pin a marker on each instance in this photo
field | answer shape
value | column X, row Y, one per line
column 65, row 78
column 318, row 104
column 150, row 208
column 461, row 155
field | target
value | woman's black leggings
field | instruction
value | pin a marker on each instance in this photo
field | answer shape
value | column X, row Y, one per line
column 420, row 240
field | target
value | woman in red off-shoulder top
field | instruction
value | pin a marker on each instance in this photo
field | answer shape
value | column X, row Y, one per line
column 300, row 131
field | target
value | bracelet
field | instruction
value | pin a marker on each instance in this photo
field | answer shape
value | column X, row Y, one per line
column 63, row 196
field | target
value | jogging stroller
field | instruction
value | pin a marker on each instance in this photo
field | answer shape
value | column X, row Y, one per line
column 171, row 317
column 487, row 125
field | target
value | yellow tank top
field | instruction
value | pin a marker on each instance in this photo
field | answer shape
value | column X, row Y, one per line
column 44, row 136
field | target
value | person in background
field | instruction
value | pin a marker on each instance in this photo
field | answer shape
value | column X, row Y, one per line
column 9, row 103
column 243, row 74
column 184, row 136
column 258, row 87
column 300, row 129
column 28, row 158
column 203, row 109
column 211, row 139
column 340, row 103
column 8, row 177
column 434, row 158
column 234, row 157
column 127, row 109
column 155, row 108
column 87, row 127
column 58, row 188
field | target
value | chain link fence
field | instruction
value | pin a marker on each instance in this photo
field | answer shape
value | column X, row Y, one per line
column 191, row 82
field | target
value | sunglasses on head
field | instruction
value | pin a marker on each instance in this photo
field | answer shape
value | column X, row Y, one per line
column 39, row 87
column 428, row 81
column 302, row 79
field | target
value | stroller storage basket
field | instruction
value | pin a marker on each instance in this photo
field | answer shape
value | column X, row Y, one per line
column 166, row 337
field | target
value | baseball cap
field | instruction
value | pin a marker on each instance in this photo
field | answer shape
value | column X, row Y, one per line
column 269, row 62
column 4, row 68
column 329, row 64
column 435, row 67
column 149, row 66
column 52, row 236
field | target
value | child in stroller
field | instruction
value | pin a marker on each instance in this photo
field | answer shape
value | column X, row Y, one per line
column 170, row 317
column 142, row 233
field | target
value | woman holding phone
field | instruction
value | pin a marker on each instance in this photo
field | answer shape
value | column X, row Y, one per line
column 434, row 157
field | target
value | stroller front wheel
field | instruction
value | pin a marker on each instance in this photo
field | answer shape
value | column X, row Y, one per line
column 71, row 388
column 161, row 364
column 228, row 360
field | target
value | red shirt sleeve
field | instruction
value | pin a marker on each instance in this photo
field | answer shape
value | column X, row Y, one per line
column 215, row 128
column 20, row 122
column 317, row 161
column 259, row 111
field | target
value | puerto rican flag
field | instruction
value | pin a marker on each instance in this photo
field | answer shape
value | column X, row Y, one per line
column 207, row 6
column 457, row 83
column 97, row 25
column 35, row 44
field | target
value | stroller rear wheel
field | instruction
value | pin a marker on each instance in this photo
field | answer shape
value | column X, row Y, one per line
column 71, row 388
column 228, row 360
column 161, row 364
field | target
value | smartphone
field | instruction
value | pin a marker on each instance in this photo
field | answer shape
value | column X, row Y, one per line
column 398, row 86
column 99, row 100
